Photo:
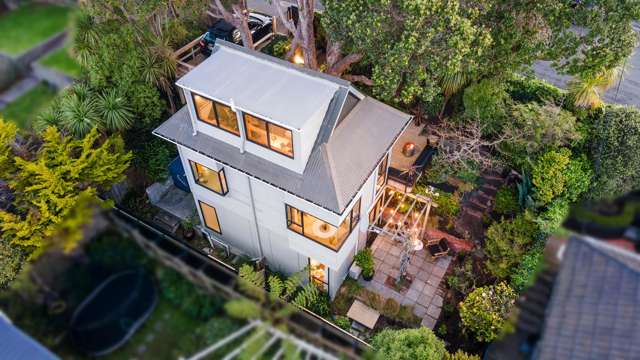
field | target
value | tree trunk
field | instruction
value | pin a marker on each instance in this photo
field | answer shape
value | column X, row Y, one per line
column 306, row 9
column 239, row 19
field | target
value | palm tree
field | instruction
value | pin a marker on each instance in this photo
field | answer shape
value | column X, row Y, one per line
column 452, row 82
column 79, row 111
column 587, row 91
column 85, row 37
column 114, row 110
column 159, row 66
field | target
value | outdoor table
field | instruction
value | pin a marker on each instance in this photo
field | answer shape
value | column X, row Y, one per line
column 363, row 314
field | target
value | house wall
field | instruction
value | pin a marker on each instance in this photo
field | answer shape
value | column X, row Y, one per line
column 267, row 234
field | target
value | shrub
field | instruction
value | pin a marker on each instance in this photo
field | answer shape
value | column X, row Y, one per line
column 185, row 295
column 243, row 309
column 506, row 202
column 390, row 308
column 115, row 252
column 154, row 157
column 484, row 311
column 507, row 241
column 525, row 273
column 526, row 89
column 212, row 330
column 485, row 101
column 442, row 330
column 614, row 146
column 407, row 317
column 463, row 278
column 364, row 259
column 448, row 206
column 419, row 343
column 550, row 220
column 556, row 174
column 374, row 300
column 343, row 322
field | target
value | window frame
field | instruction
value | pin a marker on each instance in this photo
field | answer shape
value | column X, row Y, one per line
column 385, row 161
column 326, row 271
column 222, row 178
column 214, row 104
column 349, row 217
column 204, row 220
column 268, row 130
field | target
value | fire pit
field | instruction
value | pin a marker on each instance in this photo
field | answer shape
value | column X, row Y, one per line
column 409, row 149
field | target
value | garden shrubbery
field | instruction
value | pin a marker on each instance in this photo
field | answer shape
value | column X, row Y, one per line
column 185, row 295
column 419, row 343
column 485, row 310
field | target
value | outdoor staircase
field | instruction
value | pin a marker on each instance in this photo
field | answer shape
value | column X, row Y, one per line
column 477, row 204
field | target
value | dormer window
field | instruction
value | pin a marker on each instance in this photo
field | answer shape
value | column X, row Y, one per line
column 269, row 135
column 216, row 114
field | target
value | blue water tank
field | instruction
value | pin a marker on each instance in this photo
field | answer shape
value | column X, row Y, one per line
column 178, row 175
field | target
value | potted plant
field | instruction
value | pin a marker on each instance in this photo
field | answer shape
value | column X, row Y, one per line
column 364, row 259
column 188, row 227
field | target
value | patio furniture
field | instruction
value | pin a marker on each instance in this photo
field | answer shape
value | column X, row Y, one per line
column 438, row 247
column 363, row 315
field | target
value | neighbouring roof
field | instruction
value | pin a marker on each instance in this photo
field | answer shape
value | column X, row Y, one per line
column 337, row 167
column 594, row 310
column 262, row 84
column 16, row 345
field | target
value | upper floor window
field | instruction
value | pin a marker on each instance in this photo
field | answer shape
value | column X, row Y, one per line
column 382, row 172
column 269, row 135
column 315, row 229
column 210, row 216
column 213, row 180
column 216, row 114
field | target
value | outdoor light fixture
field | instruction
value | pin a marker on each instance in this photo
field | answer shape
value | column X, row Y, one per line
column 298, row 59
column 409, row 149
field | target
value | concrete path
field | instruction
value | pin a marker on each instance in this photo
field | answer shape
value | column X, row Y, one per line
column 626, row 92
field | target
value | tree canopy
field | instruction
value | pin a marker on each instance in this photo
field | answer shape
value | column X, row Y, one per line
column 408, row 344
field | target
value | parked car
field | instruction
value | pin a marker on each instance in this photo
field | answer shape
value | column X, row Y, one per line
column 259, row 25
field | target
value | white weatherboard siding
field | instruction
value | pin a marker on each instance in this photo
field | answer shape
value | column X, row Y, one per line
column 283, row 249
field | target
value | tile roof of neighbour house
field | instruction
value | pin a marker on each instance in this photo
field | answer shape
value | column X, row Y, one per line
column 594, row 310
column 16, row 345
column 337, row 167
column 264, row 85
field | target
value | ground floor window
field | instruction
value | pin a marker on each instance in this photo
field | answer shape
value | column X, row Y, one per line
column 210, row 216
column 319, row 274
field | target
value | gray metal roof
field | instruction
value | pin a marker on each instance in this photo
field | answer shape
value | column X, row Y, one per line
column 337, row 168
column 16, row 345
column 594, row 312
column 270, row 87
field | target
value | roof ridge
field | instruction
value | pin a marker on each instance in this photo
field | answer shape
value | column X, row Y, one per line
column 283, row 63
column 612, row 252
column 332, row 172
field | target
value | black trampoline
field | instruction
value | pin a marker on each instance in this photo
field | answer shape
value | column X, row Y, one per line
column 113, row 312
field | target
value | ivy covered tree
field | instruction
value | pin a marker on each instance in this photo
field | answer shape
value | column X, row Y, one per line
column 410, row 45
column 54, row 188
column 614, row 148
column 507, row 241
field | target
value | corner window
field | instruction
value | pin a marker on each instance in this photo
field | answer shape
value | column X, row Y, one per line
column 210, row 217
column 215, row 181
column 381, row 180
column 320, row 231
column 269, row 135
column 216, row 114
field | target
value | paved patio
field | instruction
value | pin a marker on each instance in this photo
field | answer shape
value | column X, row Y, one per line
column 425, row 293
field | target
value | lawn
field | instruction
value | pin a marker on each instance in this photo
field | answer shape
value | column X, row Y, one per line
column 26, row 108
column 29, row 25
column 62, row 61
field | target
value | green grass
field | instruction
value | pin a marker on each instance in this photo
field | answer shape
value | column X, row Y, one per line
column 29, row 25
column 26, row 108
column 62, row 61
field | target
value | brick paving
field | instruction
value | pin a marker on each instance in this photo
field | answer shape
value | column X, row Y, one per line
column 425, row 293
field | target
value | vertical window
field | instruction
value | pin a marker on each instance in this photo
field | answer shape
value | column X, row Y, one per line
column 319, row 274
column 215, row 181
column 382, row 172
column 210, row 216
column 375, row 210
column 294, row 219
column 269, row 135
column 355, row 214
column 216, row 114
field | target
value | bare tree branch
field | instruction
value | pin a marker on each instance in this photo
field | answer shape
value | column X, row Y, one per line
column 358, row 78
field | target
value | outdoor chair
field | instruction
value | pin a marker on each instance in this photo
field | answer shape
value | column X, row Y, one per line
column 438, row 247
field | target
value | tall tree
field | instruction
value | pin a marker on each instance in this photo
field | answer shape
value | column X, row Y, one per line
column 409, row 44
column 304, row 35
column 54, row 188
column 238, row 17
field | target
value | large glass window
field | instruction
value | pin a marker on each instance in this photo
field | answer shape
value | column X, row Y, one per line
column 210, row 216
column 213, row 180
column 382, row 173
column 269, row 135
column 216, row 114
column 320, row 231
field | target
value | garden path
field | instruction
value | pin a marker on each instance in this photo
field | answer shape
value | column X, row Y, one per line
column 478, row 205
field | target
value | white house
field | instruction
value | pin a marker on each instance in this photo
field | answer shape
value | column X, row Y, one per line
column 283, row 162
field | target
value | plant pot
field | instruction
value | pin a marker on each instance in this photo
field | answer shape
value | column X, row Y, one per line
column 188, row 234
column 367, row 278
